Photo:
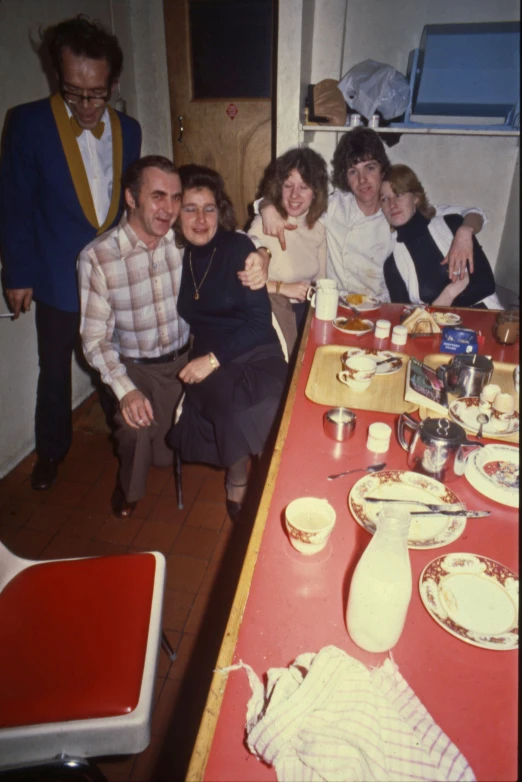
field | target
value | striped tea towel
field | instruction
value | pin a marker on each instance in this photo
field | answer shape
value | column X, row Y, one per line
column 328, row 717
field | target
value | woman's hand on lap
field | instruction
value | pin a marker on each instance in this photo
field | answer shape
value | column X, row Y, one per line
column 196, row 370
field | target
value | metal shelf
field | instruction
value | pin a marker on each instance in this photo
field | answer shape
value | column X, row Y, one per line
column 431, row 131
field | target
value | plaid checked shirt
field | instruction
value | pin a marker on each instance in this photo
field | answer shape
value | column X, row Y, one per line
column 128, row 296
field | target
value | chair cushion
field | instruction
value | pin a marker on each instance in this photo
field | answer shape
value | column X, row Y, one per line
column 73, row 636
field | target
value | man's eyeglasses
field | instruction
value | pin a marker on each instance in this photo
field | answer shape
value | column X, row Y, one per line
column 74, row 98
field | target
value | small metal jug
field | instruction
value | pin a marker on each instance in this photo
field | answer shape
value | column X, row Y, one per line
column 438, row 447
column 466, row 375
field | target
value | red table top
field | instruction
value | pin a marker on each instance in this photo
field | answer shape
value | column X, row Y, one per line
column 297, row 605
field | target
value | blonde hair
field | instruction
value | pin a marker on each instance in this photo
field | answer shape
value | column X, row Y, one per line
column 403, row 180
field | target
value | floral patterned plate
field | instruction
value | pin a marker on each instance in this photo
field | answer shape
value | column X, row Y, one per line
column 474, row 598
column 465, row 411
column 495, row 472
column 370, row 303
column 447, row 318
column 378, row 355
column 341, row 324
column 426, row 532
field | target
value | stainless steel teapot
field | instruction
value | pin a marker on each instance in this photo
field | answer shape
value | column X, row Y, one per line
column 466, row 375
column 438, row 447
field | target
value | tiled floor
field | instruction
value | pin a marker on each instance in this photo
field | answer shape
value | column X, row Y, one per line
column 204, row 555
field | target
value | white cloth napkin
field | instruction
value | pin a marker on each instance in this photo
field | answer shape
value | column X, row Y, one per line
column 328, row 717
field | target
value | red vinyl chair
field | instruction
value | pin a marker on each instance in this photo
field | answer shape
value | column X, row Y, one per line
column 79, row 643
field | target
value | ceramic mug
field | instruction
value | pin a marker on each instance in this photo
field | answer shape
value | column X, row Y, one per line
column 325, row 299
column 359, row 372
column 309, row 522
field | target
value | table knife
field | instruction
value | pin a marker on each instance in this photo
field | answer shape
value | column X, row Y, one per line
column 470, row 514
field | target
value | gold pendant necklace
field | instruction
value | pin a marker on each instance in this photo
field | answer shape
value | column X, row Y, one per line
column 197, row 288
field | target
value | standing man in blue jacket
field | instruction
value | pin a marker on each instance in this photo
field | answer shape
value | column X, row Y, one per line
column 60, row 187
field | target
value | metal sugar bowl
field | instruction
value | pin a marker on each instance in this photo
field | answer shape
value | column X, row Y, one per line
column 438, row 447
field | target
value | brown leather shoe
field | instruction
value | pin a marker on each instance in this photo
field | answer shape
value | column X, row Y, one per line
column 120, row 507
column 44, row 474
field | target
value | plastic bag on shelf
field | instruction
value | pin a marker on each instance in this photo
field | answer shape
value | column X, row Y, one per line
column 372, row 86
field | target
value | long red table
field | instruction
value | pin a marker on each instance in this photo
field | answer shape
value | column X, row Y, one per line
column 287, row 604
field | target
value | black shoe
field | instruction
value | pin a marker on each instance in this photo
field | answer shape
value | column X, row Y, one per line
column 233, row 509
column 120, row 507
column 44, row 474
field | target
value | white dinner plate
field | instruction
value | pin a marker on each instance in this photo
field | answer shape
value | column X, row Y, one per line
column 369, row 304
column 378, row 355
column 464, row 411
column 338, row 322
column 474, row 598
column 425, row 532
column 447, row 318
column 495, row 472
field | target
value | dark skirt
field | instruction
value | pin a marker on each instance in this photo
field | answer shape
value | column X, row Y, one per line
column 230, row 413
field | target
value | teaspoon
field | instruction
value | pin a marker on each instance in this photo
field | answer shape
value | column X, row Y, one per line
column 371, row 468
column 481, row 419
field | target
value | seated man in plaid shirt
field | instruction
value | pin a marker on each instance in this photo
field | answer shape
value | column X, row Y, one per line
column 131, row 332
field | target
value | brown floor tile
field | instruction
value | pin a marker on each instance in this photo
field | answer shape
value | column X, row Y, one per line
column 28, row 543
column 119, row 531
column 15, row 512
column 196, row 542
column 145, row 506
column 96, row 548
column 191, row 487
column 156, row 536
column 15, row 478
column 182, row 661
column 98, row 498
column 210, row 515
column 69, row 493
column 165, row 510
column 185, row 573
column 176, row 608
column 146, row 761
column 213, row 489
column 211, row 574
column 118, row 769
column 164, row 709
column 64, row 547
column 80, row 470
column 48, row 518
column 197, row 614
column 27, row 464
column 84, row 523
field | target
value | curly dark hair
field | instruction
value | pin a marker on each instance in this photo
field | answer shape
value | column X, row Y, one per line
column 312, row 168
column 356, row 146
column 85, row 38
column 133, row 176
column 403, row 179
column 194, row 177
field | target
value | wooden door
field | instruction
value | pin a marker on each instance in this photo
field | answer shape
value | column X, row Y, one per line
column 230, row 134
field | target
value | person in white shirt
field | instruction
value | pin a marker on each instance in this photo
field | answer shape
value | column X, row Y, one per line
column 358, row 235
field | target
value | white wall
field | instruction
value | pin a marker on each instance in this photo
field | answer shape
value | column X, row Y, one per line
column 454, row 169
column 139, row 26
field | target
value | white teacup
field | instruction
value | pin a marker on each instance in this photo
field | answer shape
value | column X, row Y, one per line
column 309, row 522
column 359, row 372
column 325, row 299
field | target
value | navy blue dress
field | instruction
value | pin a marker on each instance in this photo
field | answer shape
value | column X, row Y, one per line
column 230, row 413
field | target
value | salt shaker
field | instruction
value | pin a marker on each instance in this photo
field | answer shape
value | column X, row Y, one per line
column 382, row 329
column 379, row 436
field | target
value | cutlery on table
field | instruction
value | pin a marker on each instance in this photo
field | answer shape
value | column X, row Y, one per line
column 446, row 506
column 469, row 514
column 371, row 468
column 391, row 360
column 482, row 419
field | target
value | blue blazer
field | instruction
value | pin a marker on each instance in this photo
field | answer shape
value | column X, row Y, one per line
column 47, row 214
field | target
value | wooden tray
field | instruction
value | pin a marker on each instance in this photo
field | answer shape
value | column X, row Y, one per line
column 385, row 393
column 502, row 376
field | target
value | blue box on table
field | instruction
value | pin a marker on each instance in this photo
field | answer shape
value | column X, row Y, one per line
column 458, row 340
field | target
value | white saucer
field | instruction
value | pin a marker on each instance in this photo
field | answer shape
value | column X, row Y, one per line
column 494, row 472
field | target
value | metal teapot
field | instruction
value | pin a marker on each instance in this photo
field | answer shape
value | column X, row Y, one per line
column 438, row 447
column 466, row 375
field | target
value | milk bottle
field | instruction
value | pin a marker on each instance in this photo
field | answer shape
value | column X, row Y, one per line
column 380, row 590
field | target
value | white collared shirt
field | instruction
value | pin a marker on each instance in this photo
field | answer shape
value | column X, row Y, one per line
column 97, row 159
